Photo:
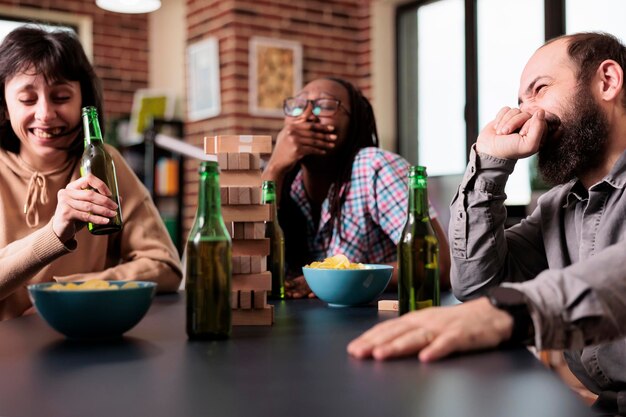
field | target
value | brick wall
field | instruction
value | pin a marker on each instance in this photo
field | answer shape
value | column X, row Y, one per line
column 335, row 37
column 120, row 48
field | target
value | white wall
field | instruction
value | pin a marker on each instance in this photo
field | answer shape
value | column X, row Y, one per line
column 167, row 50
column 384, row 69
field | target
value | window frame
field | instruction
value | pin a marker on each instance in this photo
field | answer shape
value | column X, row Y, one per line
column 83, row 25
column 554, row 25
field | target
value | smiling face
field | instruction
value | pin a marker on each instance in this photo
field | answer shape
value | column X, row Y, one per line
column 44, row 117
column 577, row 126
column 548, row 81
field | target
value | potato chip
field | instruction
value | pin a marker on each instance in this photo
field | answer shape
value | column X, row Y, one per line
column 95, row 284
column 338, row 261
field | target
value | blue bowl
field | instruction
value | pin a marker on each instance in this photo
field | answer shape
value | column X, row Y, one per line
column 348, row 287
column 93, row 314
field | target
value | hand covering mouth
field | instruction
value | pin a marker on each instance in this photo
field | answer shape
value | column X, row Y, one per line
column 553, row 123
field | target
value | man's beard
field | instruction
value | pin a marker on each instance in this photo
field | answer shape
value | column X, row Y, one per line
column 580, row 143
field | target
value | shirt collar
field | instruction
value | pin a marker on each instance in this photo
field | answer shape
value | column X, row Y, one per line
column 616, row 178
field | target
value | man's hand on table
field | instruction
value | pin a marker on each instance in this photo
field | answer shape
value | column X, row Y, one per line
column 298, row 288
column 436, row 332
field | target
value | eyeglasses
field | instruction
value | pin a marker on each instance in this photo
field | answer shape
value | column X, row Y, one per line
column 295, row 106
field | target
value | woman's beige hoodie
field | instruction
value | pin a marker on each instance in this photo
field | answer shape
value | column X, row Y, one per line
column 30, row 252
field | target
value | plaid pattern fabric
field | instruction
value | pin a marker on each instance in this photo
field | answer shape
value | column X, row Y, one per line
column 373, row 212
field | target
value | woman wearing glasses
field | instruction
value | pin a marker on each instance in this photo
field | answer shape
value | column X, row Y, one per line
column 340, row 193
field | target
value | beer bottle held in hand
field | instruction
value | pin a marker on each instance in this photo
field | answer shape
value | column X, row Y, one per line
column 273, row 231
column 208, row 263
column 98, row 162
column 418, row 250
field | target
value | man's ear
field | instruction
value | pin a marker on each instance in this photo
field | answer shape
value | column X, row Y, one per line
column 610, row 80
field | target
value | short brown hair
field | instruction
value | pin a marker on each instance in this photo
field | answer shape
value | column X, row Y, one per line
column 57, row 55
column 588, row 49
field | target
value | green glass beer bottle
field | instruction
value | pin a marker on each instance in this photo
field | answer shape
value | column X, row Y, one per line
column 274, row 233
column 97, row 161
column 418, row 250
column 208, row 263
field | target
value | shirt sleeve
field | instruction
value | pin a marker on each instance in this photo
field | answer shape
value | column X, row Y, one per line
column 22, row 259
column 389, row 193
column 577, row 306
column 483, row 253
column 388, row 204
column 571, row 307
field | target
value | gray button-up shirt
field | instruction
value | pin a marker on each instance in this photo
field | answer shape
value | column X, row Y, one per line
column 568, row 257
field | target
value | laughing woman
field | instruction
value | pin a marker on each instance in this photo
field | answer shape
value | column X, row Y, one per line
column 340, row 193
column 45, row 80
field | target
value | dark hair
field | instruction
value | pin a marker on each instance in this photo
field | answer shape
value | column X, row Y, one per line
column 588, row 49
column 57, row 55
column 361, row 133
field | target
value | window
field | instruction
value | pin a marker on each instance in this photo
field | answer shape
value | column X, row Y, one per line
column 599, row 15
column 445, row 99
column 437, row 118
column 12, row 17
column 503, row 50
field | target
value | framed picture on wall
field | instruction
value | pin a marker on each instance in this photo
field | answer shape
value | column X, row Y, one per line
column 275, row 74
column 149, row 104
column 203, row 80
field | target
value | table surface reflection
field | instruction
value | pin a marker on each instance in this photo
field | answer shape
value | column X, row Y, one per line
column 297, row 367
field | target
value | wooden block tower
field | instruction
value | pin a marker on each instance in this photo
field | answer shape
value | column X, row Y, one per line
column 239, row 159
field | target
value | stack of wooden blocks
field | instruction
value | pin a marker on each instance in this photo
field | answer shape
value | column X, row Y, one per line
column 239, row 159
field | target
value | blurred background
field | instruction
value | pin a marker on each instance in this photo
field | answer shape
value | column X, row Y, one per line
column 435, row 71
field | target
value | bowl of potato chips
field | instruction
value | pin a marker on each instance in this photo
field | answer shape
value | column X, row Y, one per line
column 92, row 309
column 342, row 283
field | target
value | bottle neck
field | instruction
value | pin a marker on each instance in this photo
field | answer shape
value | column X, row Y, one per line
column 209, row 201
column 268, row 196
column 418, row 197
column 91, row 127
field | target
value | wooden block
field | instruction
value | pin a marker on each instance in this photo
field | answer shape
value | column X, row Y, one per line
column 236, row 264
column 254, row 230
column 244, row 195
column 244, row 262
column 258, row 264
column 224, row 195
column 260, row 317
column 388, row 305
column 244, row 160
column 238, row 143
column 239, row 178
column 255, row 195
column 222, row 161
column 252, row 213
column 238, row 230
column 234, row 299
column 255, row 161
column 245, row 300
column 252, row 282
column 259, row 230
column 252, row 247
column 233, row 160
column 259, row 299
column 233, row 195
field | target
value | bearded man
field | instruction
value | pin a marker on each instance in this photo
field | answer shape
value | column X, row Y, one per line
column 557, row 280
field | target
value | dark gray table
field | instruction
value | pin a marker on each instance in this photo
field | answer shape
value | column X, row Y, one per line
column 298, row 367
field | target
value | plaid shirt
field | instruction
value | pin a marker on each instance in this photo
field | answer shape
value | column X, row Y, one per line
column 373, row 213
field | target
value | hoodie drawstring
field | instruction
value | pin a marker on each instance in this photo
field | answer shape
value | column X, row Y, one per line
column 36, row 191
